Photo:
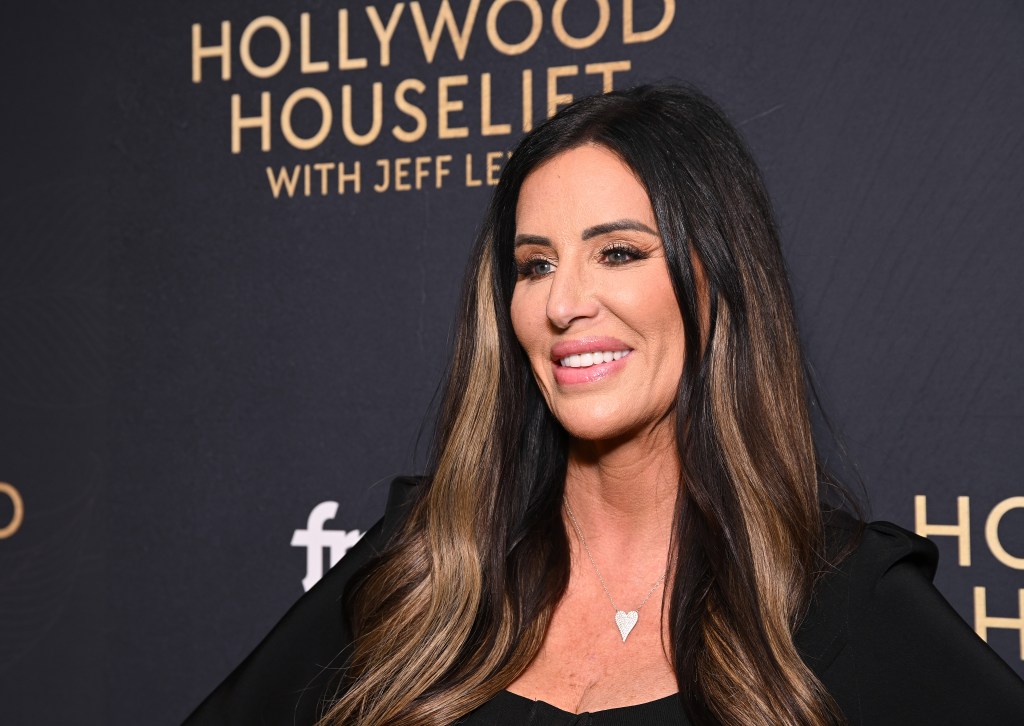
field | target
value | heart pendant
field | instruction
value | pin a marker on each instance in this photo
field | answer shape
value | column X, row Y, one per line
column 625, row 621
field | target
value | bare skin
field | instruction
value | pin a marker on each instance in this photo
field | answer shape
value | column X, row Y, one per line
column 583, row 664
column 623, row 476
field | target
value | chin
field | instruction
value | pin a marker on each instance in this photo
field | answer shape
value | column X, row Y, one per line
column 614, row 422
column 596, row 424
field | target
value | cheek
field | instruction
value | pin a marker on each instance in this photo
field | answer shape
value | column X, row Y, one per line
column 675, row 353
column 663, row 321
column 529, row 322
column 524, row 322
column 518, row 318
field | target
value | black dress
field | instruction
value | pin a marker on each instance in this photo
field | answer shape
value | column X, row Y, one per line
column 881, row 638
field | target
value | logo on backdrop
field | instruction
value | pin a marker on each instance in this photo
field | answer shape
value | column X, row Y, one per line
column 316, row 539
column 984, row 620
column 18, row 513
column 360, row 112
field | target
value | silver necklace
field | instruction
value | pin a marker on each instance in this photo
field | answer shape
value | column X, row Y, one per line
column 624, row 621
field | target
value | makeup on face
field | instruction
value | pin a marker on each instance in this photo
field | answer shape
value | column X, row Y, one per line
column 593, row 305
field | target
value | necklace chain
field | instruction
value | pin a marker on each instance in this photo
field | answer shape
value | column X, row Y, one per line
column 604, row 586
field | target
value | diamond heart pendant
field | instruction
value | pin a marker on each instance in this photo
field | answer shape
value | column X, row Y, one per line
column 625, row 621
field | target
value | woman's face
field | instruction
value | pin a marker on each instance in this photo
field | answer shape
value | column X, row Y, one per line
column 593, row 305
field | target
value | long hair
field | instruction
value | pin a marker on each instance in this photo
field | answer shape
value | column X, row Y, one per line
column 458, row 604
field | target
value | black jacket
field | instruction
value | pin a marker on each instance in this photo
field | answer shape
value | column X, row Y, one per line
column 886, row 644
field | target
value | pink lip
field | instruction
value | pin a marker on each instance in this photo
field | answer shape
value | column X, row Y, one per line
column 567, row 376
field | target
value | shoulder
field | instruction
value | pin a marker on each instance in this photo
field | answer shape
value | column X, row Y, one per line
column 891, row 649
column 884, row 554
column 885, row 545
column 290, row 675
column 402, row 494
column 871, row 553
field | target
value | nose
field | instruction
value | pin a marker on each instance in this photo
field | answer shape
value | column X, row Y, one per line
column 571, row 297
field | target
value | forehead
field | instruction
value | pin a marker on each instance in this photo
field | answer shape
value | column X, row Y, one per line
column 580, row 188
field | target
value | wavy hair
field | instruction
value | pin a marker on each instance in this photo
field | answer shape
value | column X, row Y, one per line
column 458, row 604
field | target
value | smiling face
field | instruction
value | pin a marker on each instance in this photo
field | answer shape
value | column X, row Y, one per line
column 593, row 305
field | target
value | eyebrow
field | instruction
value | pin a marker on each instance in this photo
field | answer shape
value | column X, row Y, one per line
column 617, row 226
column 597, row 230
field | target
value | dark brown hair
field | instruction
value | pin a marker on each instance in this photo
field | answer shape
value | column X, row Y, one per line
column 459, row 604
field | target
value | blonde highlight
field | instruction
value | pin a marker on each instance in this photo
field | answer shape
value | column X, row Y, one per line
column 458, row 604
column 410, row 639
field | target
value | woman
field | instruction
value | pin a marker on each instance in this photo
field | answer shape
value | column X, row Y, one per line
column 622, row 522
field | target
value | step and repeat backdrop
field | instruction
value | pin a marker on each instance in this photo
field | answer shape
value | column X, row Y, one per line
column 233, row 235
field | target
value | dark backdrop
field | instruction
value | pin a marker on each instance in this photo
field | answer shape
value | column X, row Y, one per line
column 189, row 366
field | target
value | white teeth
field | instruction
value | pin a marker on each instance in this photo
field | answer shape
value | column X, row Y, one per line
column 585, row 360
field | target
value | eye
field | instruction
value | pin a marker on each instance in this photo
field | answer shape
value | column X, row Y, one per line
column 534, row 267
column 620, row 254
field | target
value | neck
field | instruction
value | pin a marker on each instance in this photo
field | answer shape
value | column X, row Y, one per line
column 624, row 492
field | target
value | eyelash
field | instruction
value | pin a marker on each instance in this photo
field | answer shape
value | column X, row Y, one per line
column 527, row 268
column 619, row 248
